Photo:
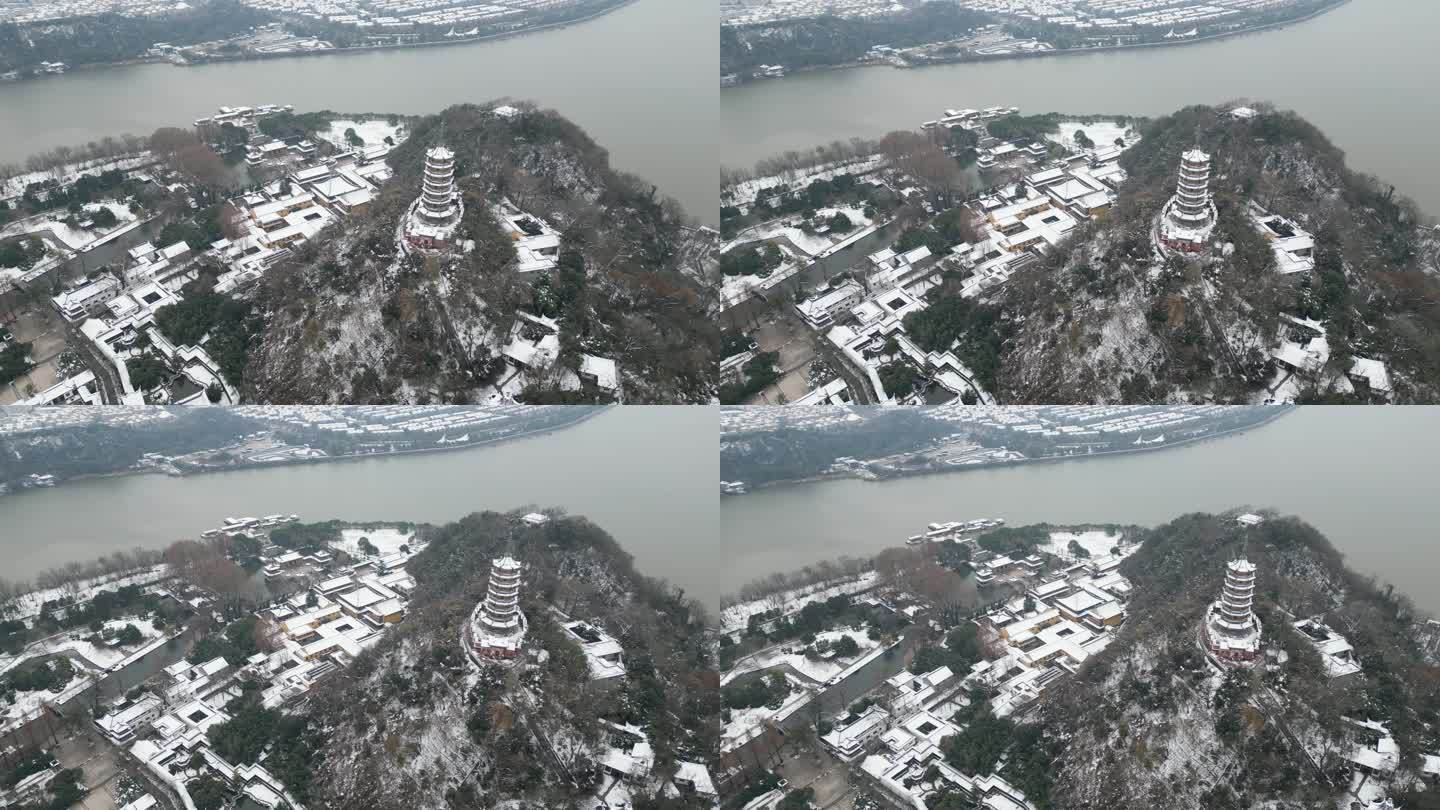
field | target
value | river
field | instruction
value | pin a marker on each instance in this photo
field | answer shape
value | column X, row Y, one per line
column 641, row 80
column 1364, row 477
column 1363, row 73
column 646, row 475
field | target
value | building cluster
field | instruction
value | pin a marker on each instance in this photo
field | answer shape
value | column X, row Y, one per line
column 533, row 345
column 1014, row 225
column 1051, row 630
column 16, row 422
column 1082, row 422
column 175, row 748
column 114, row 311
column 1108, row 18
column 312, row 634
column 736, row 13
column 897, row 744
column 626, row 767
column 1335, row 652
column 1292, row 246
column 386, row 18
column 310, row 191
column 51, row 10
column 385, row 421
column 1301, row 354
column 735, row 421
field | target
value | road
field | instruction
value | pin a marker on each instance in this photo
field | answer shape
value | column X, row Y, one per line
column 105, row 374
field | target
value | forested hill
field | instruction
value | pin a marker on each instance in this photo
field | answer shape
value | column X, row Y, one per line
column 413, row 724
column 1150, row 722
column 352, row 319
column 830, row 40
column 1105, row 319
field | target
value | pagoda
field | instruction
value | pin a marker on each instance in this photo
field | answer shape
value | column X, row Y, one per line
column 431, row 221
column 1231, row 631
column 1189, row 216
column 497, row 626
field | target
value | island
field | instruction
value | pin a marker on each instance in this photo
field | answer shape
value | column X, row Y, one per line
column 1219, row 254
column 512, row 659
column 484, row 254
column 1217, row 660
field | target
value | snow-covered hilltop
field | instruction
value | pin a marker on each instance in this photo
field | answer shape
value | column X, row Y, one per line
column 1306, row 281
column 553, row 279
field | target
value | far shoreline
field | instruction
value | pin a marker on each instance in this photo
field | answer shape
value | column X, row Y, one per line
column 262, row 57
column 822, row 478
column 591, row 412
column 1042, row 54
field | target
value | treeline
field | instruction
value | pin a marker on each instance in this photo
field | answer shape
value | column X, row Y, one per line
column 71, row 577
column 841, row 568
column 92, row 153
column 830, row 40
column 113, row 37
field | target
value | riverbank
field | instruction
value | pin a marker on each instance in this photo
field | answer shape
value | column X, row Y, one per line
column 175, row 472
column 990, row 465
column 988, row 58
column 260, row 57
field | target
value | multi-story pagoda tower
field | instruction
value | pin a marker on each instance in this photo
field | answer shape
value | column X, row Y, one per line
column 497, row 626
column 1232, row 630
column 1191, row 208
column 1189, row 217
column 430, row 224
column 437, row 196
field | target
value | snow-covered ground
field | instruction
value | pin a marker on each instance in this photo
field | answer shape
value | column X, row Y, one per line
column 744, row 722
column 73, row 238
column 15, row 186
column 28, row 703
column 818, row 670
column 372, row 132
column 385, row 541
column 1096, row 541
column 742, row 194
column 736, row 617
column 28, row 605
column 105, row 656
column 812, row 244
column 1102, row 133
column 736, row 288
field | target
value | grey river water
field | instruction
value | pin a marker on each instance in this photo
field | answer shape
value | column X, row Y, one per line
column 1365, row 477
column 641, row 80
column 1363, row 73
column 644, row 474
